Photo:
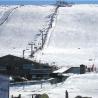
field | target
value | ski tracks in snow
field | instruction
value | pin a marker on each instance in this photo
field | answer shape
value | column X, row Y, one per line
column 6, row 15
column 52, row 24
column 48, row 30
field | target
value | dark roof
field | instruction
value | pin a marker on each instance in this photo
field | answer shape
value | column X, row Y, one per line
column 73, row 70
column 11, row 59
column 14, row 58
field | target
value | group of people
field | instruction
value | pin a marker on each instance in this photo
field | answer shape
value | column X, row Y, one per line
column 91, row 68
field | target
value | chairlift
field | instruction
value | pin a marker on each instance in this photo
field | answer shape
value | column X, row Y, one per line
column 62, row 3
column 45, row 34
column 35, row 40
column 41, row 31
column 39, row 43
column 90, row 59
column 35, row 47
column 38, row 34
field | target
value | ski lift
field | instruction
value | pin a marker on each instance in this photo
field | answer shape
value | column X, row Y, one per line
column 45, row 34
column 39, row 43
column 90, row 59
column 35, row 47
column 35, row 40
column 62, row 3
column 38, row 34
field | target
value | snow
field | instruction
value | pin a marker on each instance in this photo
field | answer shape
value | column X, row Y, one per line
column 6, row 15
column 21, row 27
column 71, row 41
column 74, row 37
column 84, row 85
column 61, row 70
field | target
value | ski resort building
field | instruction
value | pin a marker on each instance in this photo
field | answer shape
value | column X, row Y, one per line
column 71, row 70
column 17, row 66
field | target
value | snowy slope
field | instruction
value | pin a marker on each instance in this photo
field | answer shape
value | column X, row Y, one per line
column 74, row 38
column 71, row 41
column 85, row 85
column 21, row 27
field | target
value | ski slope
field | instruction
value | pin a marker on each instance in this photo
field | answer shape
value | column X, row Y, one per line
column 85, row 85
column 71, row 41
column 74, row 37
column 21, row 26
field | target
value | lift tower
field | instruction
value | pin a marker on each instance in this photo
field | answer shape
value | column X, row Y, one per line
column 60, row 3
column 32, row 48
column 63, row 3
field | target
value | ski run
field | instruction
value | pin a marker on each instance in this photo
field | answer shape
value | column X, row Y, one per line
column 70, row 39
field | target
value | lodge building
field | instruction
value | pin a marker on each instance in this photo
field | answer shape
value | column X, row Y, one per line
column 17, row 66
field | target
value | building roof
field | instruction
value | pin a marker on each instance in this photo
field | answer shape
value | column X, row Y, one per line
column 75, row 70
column 11, row 60
column 61, row 70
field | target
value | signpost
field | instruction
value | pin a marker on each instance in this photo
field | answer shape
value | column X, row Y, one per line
column 4, row 86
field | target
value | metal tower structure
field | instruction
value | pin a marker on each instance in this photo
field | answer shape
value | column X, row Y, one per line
column 60, row 3
column 32, row 48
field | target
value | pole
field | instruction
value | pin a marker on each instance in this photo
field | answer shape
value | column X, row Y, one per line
column 41, row 85
column 32, row 47
column 66, row 94
column 42, row 38
column 23, row 53
column 19, row 95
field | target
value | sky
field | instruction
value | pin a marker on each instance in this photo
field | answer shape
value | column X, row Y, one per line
column 43, row 1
